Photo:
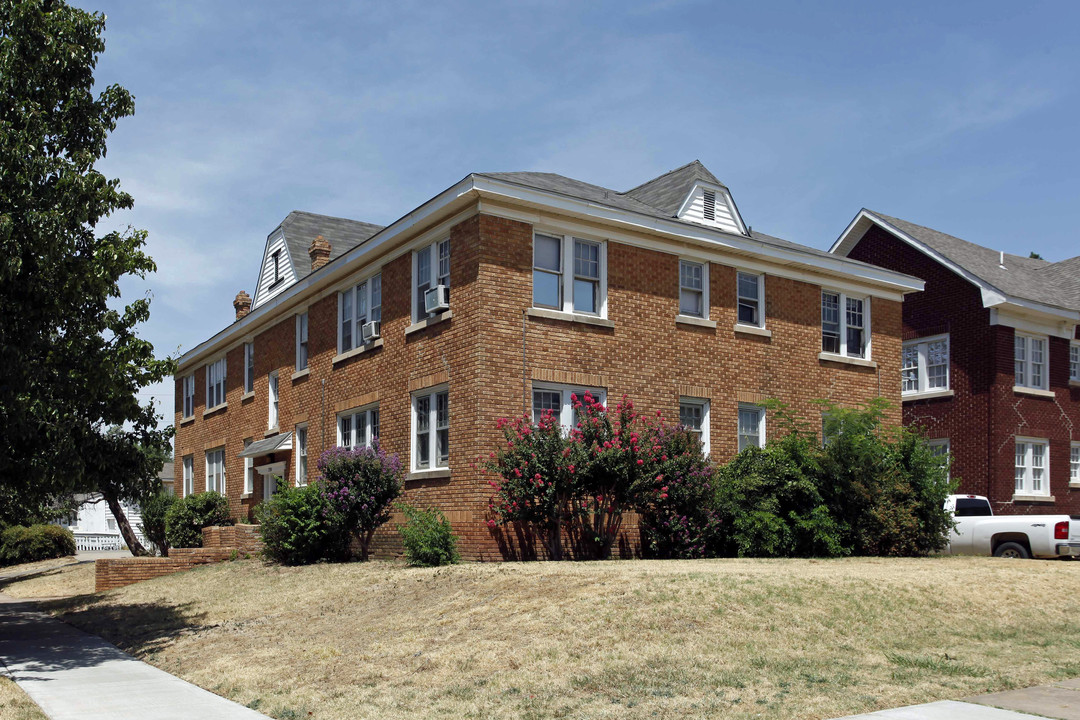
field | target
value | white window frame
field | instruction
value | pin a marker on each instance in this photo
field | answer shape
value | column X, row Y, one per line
column 187, row 464
column 370, row 413
column 1074, row 464
column 566, row 274
column 434, row 274
column 844, row 350
column 1024, row 367
column 216, row 374
column 302, row 348
column 922, row 365
column 760, row 298
column 704, row 290
column 759, row 410
column 566, row 405
column 249, row 367
column 1074, row 360
column 347, row 301
column 704, row 431
column 300, row 444
column 249, row 470
column 1028, row 467
column 188, row 393
column 434, row 464
column 937, row 443
column 215, row 468
column 273, row 397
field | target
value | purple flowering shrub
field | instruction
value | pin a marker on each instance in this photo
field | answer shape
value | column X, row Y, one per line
column 582, row 481
column 359, row 487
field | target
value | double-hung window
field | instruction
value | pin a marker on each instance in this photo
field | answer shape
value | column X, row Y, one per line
column 694, row 416
column 358, row 428
column 215, row 470
column 301, row 455
column 272, row 420
column 301, row 342
column 925, row 365
column 1074, row 361
column 751, row 426
column 431, row 268
column 358, row 306
column 215, row 384
column 431, row 429
column 1029, row 360
column 569, row 274
column 693, row 289
column 189, row 474
column 1032, row 466
column 558, row 400
column 1074, row 464
column 249, row 471
column 845, row 325
column 188, row 384
column 751, row 299
column 249, row 367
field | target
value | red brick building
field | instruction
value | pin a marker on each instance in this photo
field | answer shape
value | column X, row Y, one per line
column 504, row 294
column 991, row 360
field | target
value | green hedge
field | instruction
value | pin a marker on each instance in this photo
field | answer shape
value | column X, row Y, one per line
column 296, row 529
column 427, row 537
column 187, row 517
column 154, row 512
column 19, row 544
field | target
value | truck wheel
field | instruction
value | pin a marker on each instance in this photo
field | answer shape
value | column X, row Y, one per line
column 1012, row 550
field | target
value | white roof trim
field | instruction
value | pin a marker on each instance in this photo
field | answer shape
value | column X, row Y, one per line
column 991, row 295
column 274, row 235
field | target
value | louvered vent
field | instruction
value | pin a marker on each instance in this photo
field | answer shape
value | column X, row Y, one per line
column 710, row 205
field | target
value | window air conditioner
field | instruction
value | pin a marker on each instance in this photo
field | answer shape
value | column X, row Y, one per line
column 437, row 299
column 370, row 330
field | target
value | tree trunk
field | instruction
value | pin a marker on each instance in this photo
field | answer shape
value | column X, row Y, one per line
column 125, row 527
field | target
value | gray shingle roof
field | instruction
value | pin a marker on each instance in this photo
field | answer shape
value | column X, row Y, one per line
column 300, row 228
column 669, row 191
column 1056, row 284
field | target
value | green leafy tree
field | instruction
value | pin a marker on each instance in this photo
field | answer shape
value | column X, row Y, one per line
column 72, row 362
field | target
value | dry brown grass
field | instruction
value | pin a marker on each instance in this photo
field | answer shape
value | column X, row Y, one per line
column 51, row 581
column 671, row 639
column 15, row 704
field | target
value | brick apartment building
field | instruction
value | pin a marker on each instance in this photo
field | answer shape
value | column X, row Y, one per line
column 503, row 294
column 991, row 360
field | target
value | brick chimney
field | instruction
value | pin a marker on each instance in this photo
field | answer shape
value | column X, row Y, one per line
column 242, row 303
column 319, row 252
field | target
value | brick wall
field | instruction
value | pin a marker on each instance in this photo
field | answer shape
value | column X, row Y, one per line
column 479, row 353
column 984, row 415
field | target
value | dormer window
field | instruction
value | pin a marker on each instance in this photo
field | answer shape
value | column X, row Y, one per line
column 710, row 206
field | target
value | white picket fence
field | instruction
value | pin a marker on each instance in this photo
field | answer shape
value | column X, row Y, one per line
column 89, row 542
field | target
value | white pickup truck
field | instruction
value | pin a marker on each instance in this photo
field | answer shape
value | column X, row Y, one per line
column 979, row 532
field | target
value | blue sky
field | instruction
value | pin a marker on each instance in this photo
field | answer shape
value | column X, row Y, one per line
column 960, row 116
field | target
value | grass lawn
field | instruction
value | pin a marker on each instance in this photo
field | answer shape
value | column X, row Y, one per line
column 52, row 578
column 631, row 639
column 15, row 705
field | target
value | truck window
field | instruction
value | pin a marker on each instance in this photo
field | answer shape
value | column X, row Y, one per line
column 969, row 507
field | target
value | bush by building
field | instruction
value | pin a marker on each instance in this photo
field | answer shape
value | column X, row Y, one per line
column 297, row 528
column 187, row 517
column 154, row 511
column 359, row 487
column 427, row 537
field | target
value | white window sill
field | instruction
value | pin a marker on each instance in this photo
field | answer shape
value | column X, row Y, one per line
column 272, row 431
column 300, row 373
column 1033, row 498
column 1074, row 383
column 357, row 350
column 832, row 357
column 570, row 317
column 429, row 321
column 247, row 396
column 435, row 474
column 246, row 496
column 216, row 408
column 1037, row 392
column 1074, row 485
column 927, row 395
column 753, row 330
column 696, row 321
column 188, row 420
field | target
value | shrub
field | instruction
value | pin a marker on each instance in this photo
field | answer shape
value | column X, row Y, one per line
column 154, row 511
column 296, row 528
column 427, row 537
column 359, row 487
column 187, row 517
column 20, row 544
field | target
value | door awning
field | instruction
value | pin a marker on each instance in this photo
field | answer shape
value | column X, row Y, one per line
column 269, row 445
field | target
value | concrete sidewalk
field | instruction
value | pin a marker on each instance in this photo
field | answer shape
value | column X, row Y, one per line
column 76, row 676
column 1060, row 700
